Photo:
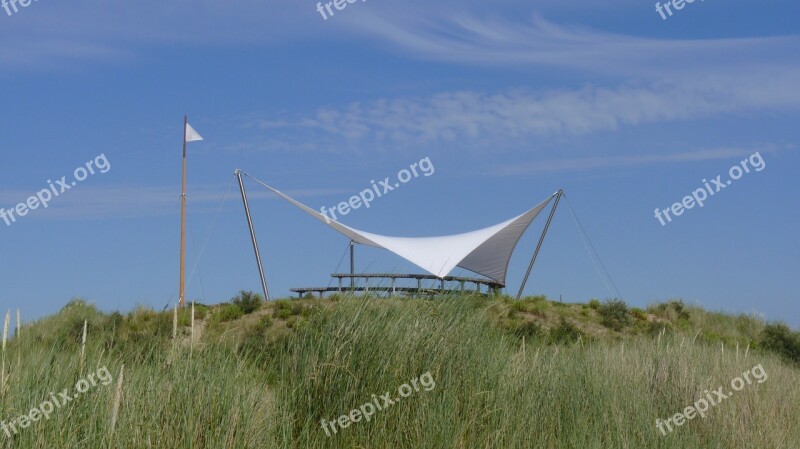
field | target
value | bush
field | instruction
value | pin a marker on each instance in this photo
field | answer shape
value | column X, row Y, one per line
column 780, row 339
column 638, row 313
column 614, row 313
column 674, row 311
column 594, row 304
column 680, row 309
column 528, row 329
column 565, row 332
column 248, row 302
column 296, row 322
column 230, row 312
column 264, row 323
column 654, row 328
column 297, row 308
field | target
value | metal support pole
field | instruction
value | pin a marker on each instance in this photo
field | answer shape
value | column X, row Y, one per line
column 253, row 236
column 441, row 284
column 340, row 284
column 539, row 245
column 394, row 290
column 352, row 265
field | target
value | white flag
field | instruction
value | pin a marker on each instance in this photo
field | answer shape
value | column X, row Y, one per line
column 191, row 134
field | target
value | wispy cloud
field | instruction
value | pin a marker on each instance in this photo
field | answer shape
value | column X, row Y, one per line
column 539, row 42
column 516, row 115
column 594, row 163
column 59, row 33
column 125, row 202
column 98, row 30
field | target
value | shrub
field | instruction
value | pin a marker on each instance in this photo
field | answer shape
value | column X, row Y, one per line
column 656, row 327
column 565, row 332
column 780, row 339
column 113, row 322
column 680, row 309
column 297, row 308
column 528, row 329
column 185, row 314
column 638, row 313
column 264, row 323
column 248, row 302
column 614, row 313
column 674, row 311
column 540, row 309
column 229, row 312
column 594, row 304
column 517, row 306
column 200, row 311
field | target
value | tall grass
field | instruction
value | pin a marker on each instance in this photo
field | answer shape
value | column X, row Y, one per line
column 253, row 385
column 491, row 393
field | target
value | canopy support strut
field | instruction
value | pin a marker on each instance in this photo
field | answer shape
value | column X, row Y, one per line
column 253, row 235
column 352, row 265
column 539, row 245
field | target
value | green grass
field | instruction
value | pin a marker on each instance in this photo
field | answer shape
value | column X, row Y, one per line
column 508, row 374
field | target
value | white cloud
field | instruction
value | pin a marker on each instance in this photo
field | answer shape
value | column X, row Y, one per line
column 92, row 202
column 516, row 115
column 594, row 163
column 460, row 37
column 471, row 31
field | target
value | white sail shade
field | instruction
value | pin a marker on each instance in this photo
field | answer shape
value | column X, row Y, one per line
column 486, row 251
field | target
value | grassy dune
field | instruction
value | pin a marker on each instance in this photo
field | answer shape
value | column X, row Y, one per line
column 507, row 375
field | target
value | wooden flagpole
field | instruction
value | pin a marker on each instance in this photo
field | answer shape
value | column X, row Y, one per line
column 182, row 288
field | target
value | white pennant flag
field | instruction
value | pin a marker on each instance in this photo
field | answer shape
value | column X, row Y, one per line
column 191, row 134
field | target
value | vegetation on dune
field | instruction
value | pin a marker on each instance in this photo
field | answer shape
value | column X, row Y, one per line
column 508, row 374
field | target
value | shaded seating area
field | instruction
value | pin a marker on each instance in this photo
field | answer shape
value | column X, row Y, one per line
column 485, row 252
column 388, row 283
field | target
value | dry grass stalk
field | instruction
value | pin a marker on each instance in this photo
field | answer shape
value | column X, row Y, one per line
column 5, row 338
column 175, row 323
column 191, row 342
column 83, row 345
column 117, row 399
column 17, row 334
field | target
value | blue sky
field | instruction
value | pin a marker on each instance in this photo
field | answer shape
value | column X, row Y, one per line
column 510, row 100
